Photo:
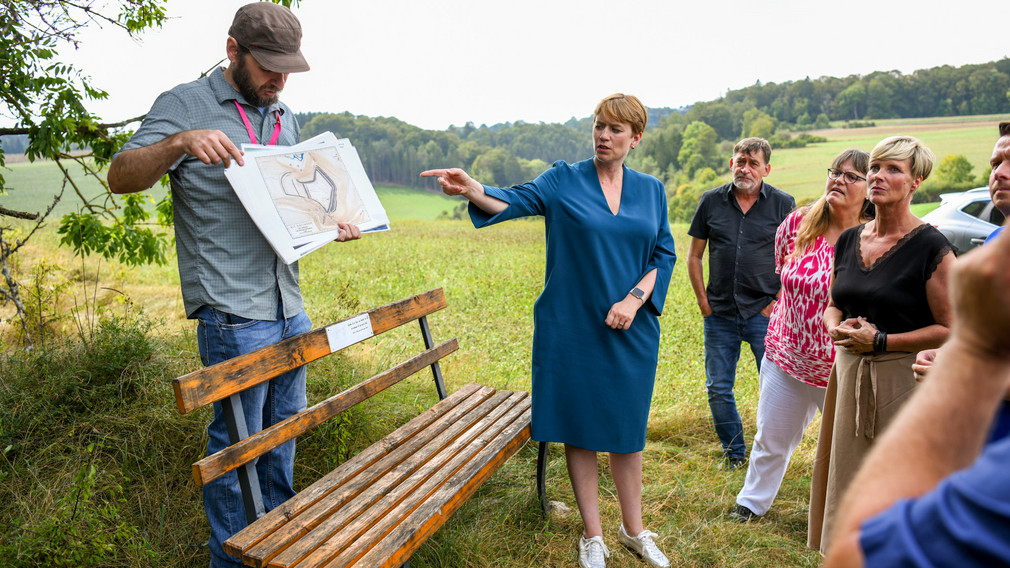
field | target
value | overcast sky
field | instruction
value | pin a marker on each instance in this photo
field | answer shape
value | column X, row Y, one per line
column 436, row 63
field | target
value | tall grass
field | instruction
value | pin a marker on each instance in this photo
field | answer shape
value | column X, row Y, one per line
column 121, row 442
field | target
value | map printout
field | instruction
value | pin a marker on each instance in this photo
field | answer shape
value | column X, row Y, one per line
column 296, row 195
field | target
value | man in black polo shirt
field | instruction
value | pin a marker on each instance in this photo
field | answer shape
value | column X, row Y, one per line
column 739, row 219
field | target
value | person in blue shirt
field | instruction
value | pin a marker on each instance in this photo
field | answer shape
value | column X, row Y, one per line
column 610, row 256
column 999, row 191
column 932, row 493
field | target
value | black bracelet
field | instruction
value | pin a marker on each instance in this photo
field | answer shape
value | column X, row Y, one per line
column 880, row 342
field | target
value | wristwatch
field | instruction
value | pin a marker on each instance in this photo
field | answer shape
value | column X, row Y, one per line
column 638, row 293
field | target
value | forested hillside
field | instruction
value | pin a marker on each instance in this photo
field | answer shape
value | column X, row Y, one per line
column 683, row 147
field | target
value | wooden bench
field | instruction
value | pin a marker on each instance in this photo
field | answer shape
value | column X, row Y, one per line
column 378, row 507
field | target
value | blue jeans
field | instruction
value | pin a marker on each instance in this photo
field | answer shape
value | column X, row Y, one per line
column 222, row 336
column 723, row 336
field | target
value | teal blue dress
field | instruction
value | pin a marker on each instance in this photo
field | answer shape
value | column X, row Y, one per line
column 592, row 385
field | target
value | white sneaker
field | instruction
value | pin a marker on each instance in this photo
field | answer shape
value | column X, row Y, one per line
column 592, row 552
column 644, row 546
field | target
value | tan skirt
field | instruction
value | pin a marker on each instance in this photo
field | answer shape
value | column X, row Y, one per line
column 864, row 394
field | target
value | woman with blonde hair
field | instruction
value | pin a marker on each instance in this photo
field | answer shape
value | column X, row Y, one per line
column 888, row 302
column 798, row 350
column 610, row 256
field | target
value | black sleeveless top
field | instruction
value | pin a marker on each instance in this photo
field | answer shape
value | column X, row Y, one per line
column 890, row 294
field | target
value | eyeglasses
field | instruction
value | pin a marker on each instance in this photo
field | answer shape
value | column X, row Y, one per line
column 849, row 177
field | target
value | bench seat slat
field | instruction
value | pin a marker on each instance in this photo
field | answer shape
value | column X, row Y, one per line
column 362, row 533
column 211, row 384
column 450, row 409
column 378, row 477
column 409, row 532
column 233, row 457
column 436, row 461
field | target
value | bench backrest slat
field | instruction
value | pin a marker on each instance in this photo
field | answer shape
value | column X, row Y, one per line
column 211, row 384
column 258, row 444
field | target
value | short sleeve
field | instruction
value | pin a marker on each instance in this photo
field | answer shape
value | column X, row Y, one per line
column 163, row 120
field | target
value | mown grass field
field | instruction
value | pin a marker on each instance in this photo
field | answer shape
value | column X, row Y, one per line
column 801, row 171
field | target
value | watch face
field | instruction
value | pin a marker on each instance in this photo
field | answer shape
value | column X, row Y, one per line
column 638, row 293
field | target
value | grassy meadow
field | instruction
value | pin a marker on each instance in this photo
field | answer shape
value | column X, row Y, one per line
column 31, row 185
column 801, row 171
column 491, row 279
column 102, row 465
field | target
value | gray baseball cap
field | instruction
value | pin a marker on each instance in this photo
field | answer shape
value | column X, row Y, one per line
column 272, row 34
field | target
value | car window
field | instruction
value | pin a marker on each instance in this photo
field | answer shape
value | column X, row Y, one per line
column 996, row 217
column 976, row 208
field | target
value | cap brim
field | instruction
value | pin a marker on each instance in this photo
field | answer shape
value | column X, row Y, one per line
column 280, row 62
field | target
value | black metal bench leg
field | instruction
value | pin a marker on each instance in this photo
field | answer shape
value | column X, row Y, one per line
column 542, row 476
column 436, row 370
column 249, row 481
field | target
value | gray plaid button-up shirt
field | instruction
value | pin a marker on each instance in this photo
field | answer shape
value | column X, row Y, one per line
column 224, row 260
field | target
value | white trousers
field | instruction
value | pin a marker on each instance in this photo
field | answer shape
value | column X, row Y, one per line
column 785, row 407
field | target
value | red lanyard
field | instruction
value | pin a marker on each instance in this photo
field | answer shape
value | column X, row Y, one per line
column 249, row 128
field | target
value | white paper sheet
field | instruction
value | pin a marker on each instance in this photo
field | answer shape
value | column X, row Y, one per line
column 297, row 194
column 353, row 330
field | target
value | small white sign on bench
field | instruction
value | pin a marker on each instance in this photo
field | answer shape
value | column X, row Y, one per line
column 349, row 332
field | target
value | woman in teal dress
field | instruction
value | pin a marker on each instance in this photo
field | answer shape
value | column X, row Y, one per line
column 610, row 256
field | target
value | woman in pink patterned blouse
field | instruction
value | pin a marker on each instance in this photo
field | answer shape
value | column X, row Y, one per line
column 798, row 351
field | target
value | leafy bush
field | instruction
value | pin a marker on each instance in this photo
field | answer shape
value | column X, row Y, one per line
column 784, row 140
column 77, row 375
column 54, row 402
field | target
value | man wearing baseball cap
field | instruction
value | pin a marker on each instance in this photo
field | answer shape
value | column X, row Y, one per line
column 239, row 291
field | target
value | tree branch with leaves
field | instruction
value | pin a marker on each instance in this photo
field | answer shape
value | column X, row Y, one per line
column 45, row 99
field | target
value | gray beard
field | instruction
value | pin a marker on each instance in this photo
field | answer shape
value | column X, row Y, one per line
column 751, row 184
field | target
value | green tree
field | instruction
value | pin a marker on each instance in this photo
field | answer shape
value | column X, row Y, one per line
column 46, row 99
column 717, row 115
column 532, row 168
column 497, row 167
column 880, row 97
column 988, row 89
column 852, row 101
column 954, row 170
column 758, row 123
column 699, row 149
column 663, row 144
